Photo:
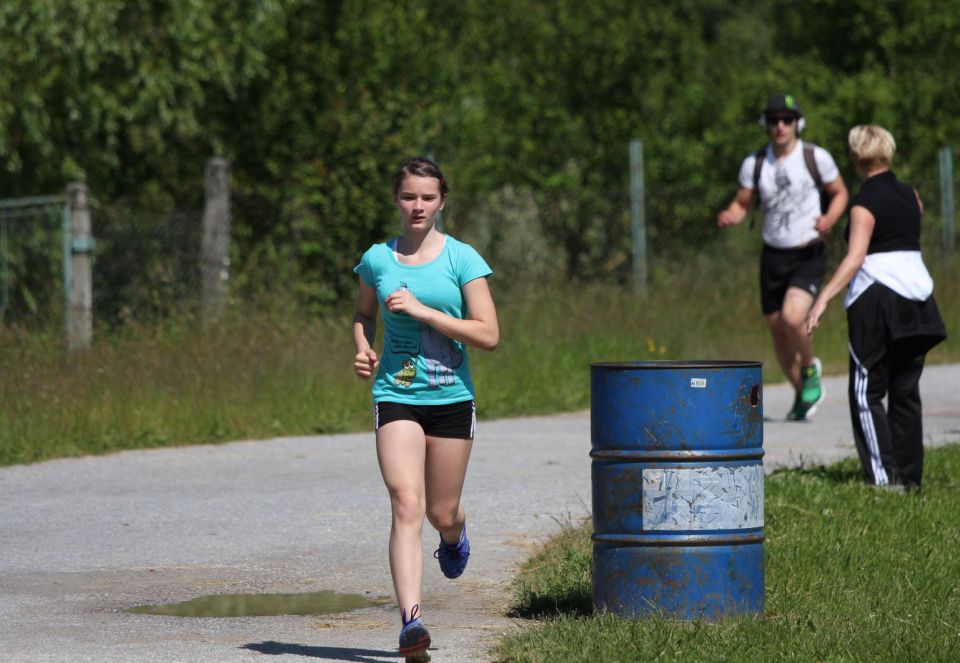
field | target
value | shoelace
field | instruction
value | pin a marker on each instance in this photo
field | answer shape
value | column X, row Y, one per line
column 451, row 550
column 446, row 548
column 414, row 614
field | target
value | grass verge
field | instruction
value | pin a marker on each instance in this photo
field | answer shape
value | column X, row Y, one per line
column 852, row 574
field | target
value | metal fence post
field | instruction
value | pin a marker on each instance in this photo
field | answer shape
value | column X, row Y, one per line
column 216, row 236
column 80, row 291
column 946, row 197
column 4, row 268
column 638, row 216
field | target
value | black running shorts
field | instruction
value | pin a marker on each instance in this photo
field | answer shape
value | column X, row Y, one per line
column 457, row 420
column 781, row 269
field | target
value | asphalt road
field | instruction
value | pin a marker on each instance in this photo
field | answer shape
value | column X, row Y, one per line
column 84, row 540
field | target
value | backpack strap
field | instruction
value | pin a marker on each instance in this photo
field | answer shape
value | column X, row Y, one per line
column 759, row 157
column 812, row 164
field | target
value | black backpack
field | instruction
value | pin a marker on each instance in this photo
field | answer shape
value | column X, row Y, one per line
column 808, row 158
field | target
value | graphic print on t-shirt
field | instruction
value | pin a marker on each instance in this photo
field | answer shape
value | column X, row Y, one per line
column 401, row 345
column 441, row 357
column 785, row 204
column 408, row 371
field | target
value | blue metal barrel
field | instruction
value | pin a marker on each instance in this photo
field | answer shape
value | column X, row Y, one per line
column 677, row 473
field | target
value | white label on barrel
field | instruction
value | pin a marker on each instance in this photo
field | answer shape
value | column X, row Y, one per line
column 703, row 498
column 698, row 383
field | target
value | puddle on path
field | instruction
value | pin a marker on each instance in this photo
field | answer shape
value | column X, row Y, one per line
column 263, row 605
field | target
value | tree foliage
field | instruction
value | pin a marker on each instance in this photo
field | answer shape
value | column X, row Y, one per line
column 529, row 106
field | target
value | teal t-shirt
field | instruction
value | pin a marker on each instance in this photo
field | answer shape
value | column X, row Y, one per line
column 419, row 365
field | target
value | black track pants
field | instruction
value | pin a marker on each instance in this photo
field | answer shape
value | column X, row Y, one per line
column 889, row 441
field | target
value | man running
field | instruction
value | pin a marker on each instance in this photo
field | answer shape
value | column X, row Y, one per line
column 789, row 176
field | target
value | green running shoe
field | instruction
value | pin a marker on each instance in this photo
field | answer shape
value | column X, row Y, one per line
column 812, row 393
column 798, row 411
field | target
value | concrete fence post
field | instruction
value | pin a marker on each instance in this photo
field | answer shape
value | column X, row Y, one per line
column 80, row 292
column 216, row 236
column 638, row 219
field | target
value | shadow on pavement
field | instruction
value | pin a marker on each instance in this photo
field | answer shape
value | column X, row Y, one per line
column 274, row 648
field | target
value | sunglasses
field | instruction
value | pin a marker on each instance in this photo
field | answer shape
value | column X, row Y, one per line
column 774, row 120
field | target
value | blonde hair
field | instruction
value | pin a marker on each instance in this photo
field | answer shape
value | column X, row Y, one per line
column 871, row 147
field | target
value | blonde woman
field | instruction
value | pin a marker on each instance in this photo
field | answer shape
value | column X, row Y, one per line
column 892, row 317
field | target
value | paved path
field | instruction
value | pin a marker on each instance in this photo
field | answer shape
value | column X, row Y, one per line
column 83, row 540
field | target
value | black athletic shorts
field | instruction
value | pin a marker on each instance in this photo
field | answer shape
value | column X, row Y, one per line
column 458, row 420
column 780, row 269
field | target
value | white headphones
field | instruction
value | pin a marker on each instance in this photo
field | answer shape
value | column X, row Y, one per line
column 801, row 123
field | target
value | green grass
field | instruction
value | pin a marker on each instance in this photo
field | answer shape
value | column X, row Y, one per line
column 852, row 574
column 700, row 308
column 267, row 369
column 253, row 375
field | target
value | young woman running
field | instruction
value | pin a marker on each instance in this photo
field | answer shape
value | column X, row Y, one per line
column 433, row 294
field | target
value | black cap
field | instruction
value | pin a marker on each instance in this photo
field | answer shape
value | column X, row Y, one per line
column 779, row 103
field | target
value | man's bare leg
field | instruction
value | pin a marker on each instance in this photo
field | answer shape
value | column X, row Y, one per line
column 793, row 347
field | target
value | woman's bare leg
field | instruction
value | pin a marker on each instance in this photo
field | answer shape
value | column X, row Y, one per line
column 401, row 452
column 446, row 468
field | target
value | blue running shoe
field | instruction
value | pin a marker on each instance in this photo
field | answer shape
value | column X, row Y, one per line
column 414, row 636
column 453, row 559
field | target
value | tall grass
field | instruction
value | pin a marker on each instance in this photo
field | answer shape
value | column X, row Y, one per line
column 852, row 574
column 702, row 307
column 254, row 374
column 270, row 369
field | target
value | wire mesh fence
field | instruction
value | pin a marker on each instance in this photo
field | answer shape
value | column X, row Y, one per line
column 31, row 260
column 149, row 264
column 145, row 266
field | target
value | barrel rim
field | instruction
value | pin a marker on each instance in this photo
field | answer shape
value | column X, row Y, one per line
column 654, row 364
column 625, row 453
column 648, row 539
